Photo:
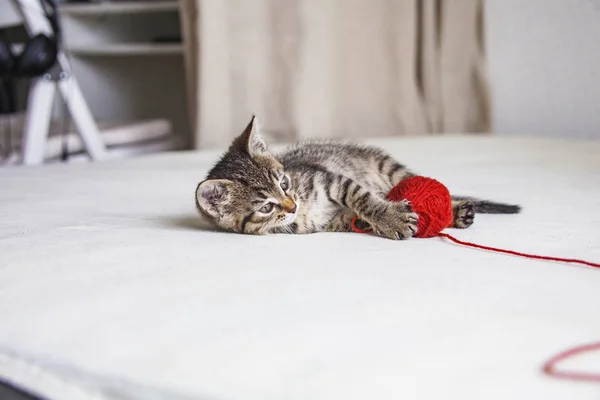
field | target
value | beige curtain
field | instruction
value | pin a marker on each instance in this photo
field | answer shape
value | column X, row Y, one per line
column 334, row 68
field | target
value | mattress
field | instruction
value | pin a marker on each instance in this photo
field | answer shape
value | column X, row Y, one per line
column 112, row 287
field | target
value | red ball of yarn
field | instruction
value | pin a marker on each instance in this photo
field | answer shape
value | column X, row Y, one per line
column 430, row 199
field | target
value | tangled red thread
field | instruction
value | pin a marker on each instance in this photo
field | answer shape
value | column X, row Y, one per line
column 431, row 200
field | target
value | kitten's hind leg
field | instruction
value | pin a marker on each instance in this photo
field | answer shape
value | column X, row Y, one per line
column 464, row 209
column 342, row 222
column 464, row 213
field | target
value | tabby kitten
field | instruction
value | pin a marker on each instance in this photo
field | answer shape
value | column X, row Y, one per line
column 314, row 187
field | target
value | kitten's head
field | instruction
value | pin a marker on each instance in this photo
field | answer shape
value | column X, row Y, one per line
column 248, row 190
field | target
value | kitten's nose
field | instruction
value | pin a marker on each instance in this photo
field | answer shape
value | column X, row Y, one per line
column 290, row 206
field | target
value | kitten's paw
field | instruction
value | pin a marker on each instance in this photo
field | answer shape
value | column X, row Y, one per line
column 398, row 222
column 464, row 214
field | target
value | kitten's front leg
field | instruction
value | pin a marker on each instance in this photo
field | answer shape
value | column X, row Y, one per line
column 394, row 220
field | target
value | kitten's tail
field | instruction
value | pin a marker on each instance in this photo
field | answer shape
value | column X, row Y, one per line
column 490, row 207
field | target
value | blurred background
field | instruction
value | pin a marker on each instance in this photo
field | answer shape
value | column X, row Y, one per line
column 144, row 77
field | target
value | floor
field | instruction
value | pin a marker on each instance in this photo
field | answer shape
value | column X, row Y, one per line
column 8, row 392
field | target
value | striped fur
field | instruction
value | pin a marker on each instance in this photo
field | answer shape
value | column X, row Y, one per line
column 313, row 187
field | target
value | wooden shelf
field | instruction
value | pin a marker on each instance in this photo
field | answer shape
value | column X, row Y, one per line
column 94, row 9
column 128, row 49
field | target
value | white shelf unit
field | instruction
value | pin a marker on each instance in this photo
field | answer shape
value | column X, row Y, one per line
column 124, row 71
column 127, row 49
column 75, row 9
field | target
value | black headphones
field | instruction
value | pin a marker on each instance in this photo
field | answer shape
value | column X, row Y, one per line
column 40, row 52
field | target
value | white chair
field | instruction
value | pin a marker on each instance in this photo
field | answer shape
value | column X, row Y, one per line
column 43, row 90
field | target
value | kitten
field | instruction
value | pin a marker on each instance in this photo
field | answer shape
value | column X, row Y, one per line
column 314, row 187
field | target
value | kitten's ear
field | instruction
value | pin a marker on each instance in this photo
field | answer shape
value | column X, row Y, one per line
column 250, row 141
column 212, row 195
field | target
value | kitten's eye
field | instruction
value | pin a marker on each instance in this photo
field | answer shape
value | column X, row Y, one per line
column 267, row 208
column 285, row 183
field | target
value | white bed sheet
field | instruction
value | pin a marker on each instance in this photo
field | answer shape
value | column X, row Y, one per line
column 111, row 287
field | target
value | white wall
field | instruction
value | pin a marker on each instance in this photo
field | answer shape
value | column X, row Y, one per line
column 544, row 66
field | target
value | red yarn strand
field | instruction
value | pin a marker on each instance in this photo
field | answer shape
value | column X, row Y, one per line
column 516, row 253
column 550, row 366
column 358, row 230
column 495, row 249
column 431, row 200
